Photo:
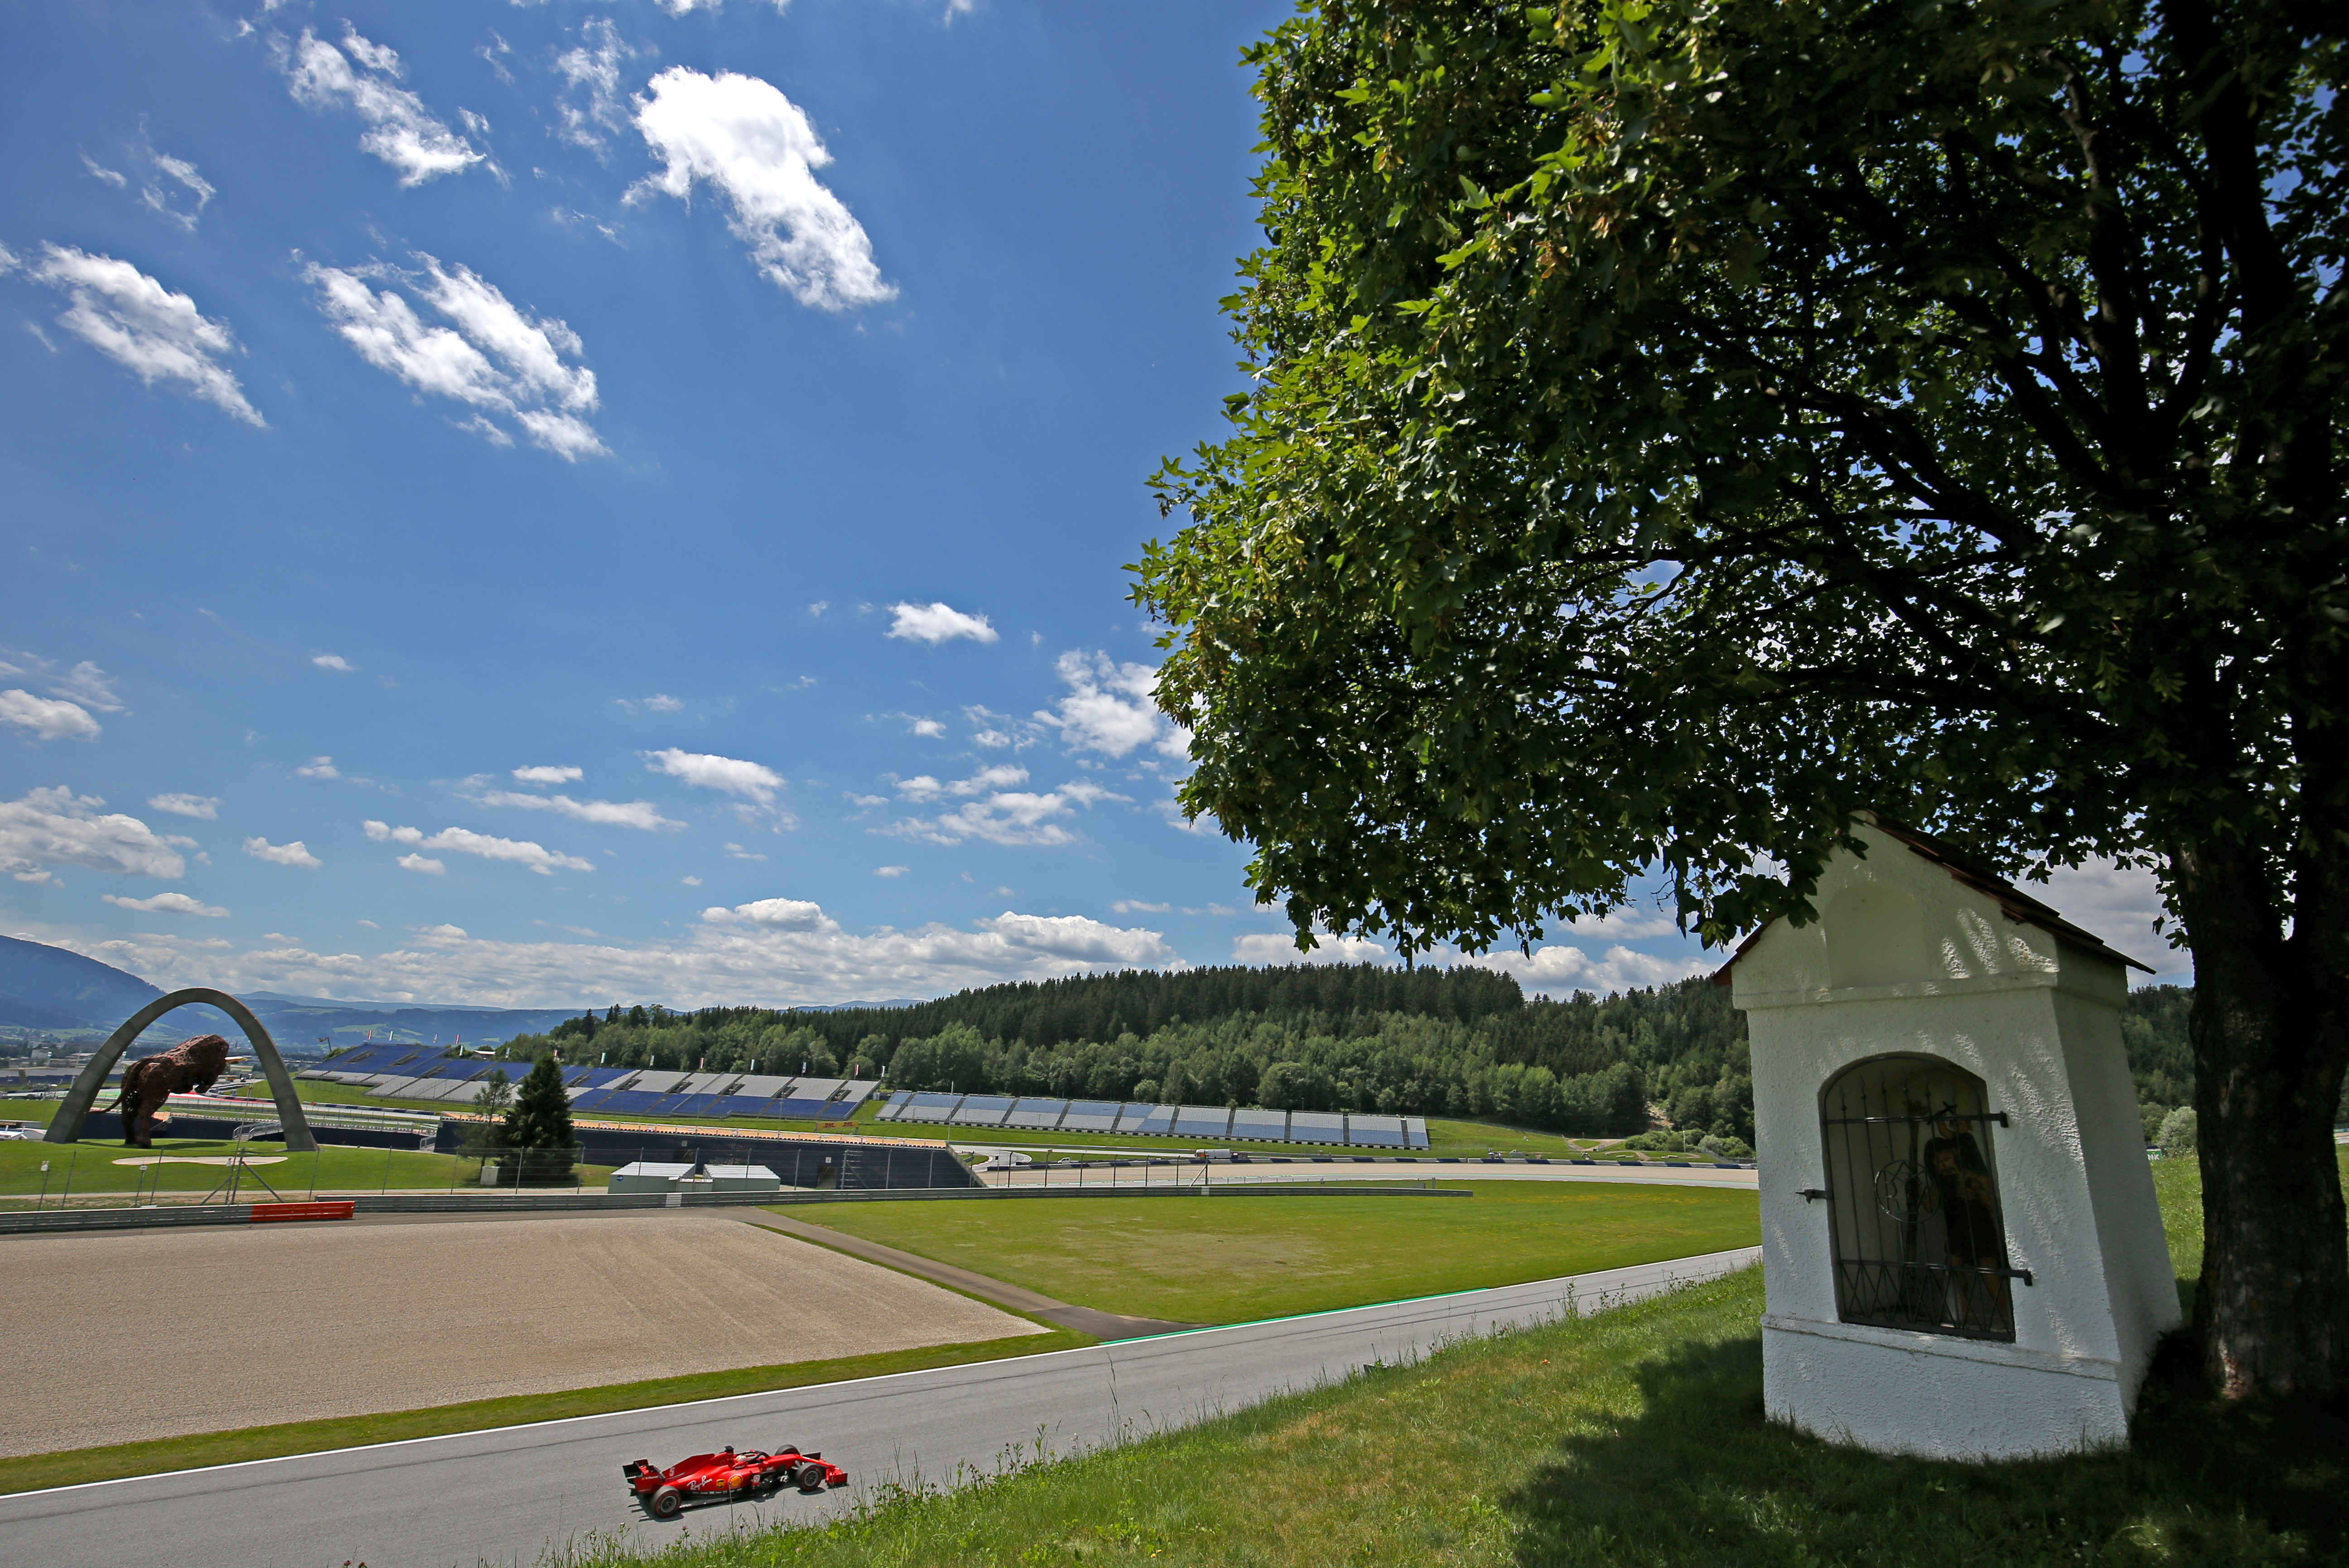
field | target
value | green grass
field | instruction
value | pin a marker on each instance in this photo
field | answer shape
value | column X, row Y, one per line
column 1230, row 1258
column 78, row 1466
column 1631, row 1440
column 91, row 1170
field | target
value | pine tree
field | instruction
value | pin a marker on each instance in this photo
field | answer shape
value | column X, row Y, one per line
column 538, row 1128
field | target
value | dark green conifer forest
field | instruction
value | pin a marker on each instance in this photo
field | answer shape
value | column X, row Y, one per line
column 1446, row 1043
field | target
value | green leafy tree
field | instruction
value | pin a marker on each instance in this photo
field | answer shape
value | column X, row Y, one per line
column 495, row 1096
column 1679, row 428
column 538, row 1128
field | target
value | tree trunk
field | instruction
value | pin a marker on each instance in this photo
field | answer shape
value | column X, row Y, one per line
column 2271, row 1311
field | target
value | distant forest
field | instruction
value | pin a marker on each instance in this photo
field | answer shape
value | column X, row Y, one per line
column 1448, row 1043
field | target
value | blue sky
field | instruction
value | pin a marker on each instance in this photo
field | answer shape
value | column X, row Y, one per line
column 564, row 503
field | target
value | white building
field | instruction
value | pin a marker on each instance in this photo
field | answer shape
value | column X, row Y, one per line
column 663, row 1176
column 1962, row 1249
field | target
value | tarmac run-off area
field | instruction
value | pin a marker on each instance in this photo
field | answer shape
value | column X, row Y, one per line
column 172, row 1332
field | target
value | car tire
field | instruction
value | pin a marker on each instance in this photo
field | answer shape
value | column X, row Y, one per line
column 666, row 1503
column 810, row 1477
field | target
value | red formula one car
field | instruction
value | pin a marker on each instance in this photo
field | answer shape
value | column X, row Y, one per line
column 726, row 1476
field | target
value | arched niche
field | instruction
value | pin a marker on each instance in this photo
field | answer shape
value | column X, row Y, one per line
column 1876, row 936
column 65, row 1127
column 1916, row 1229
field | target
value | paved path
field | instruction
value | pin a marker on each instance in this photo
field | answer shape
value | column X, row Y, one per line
column 505, row 1497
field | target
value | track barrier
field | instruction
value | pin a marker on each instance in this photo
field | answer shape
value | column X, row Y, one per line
column 263, row 1213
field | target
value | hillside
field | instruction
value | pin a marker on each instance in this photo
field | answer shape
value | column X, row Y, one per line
column 44, row 987
column 53, row 989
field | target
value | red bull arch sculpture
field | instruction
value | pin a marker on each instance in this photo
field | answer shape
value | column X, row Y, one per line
column 65, row 1127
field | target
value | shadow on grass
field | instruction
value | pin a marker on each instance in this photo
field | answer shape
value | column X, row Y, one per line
column 1700, row 1477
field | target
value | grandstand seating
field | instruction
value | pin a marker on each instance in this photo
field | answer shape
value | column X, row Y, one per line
column 404, row 1072
column 1090, row 1115
column 1190, row 1123
column 1202, row 1121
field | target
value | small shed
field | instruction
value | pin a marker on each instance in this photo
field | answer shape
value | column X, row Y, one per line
column 1962, row 1251
column 665, row 1176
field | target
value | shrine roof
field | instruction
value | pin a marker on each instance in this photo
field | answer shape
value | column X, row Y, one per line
column 1968, row 871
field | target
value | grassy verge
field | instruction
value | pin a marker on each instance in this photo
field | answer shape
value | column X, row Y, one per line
column 93, row 1169
column 1632, row 1440
column 1238, row 1258
column 77, row 1466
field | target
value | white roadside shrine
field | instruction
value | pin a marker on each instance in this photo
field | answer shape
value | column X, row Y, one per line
column 1962, row 1251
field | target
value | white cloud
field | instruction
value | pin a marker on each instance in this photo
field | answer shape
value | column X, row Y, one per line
column 1019, row 819
column 161, row 200
column 169, row 904
column 1559, row 970
column 2118, row 904
column 1136, row 906
column 636, row 814
column 157, row 192
column 464, row 841
column 590, row 103
column 169, row 182
column 743, row 136
column 727, row 774
column 937, row 623
column 495, row 358
column 318, row 768
column 132, row 319
column 56, row 827
column 734, row 962
column 549, row 776
column 1109, row 708
column 1267, row 949
column 928, row 728
column 332, row 661
column 660, row 703
column 202, row 807
column 294, row 854
column 736, row 852
column 691, row 881
column 891, row 870
column 424, row 865
column 923, row 787
column 778, row 914
column 50, row 719
column 362, row 77
column 85, row 683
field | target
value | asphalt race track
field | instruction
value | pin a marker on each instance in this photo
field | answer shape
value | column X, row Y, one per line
column 506, row 1497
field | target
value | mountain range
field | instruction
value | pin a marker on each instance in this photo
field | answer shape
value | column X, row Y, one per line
column 53, row 990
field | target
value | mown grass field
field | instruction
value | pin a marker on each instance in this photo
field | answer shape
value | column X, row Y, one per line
column 90, row 1169
column 1231, row 1259
column 1631, row 1440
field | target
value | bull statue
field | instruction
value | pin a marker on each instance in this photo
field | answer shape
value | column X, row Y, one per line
column 191, row 1067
